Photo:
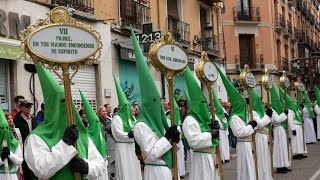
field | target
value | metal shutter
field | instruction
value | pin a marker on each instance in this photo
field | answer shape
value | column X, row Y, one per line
column 4, row 85
column 85, row 80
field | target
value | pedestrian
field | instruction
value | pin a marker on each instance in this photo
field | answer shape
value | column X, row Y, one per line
column 17, row 100
column 243, row 129
column 200, row 136
column 40, row 115
column 83, row 116
column 317, row 110
column 308, row 115
column 135, row 103
column 115, row 111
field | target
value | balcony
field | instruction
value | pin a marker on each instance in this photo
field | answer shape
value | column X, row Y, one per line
column 280, row 24
column 210, row 2
column 181, row 30
column 304, row 8
column 284, row 66
column 302, row 37
column 246, row 14
column 291, row 3
column 134, row 13
column 86, row 6
column 209, row 41
column 299, row 4
column 289, row 27
column 295, row 37
column 257, row 65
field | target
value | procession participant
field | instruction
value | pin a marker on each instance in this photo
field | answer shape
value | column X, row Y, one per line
column 183, row 139
column 127, row 164
column 317, row 110
column 95, row 132
column 152, row 132
column 201, row 138
column 48, row 150
column 242, row 129
column 224, row 140
column 295, row 125
column 10, row 151
column 280, row 146
column 308, row 114
column 262, row 118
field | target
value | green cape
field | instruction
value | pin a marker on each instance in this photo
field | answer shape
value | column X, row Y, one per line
column 95, row 131
column 152, row 112
column 199, row 110
column 238, row 104
column 55, row 122
column 291, row 105
column 125, row 112
column 6, row 134
column 308, row 104
column 276, row 104
column 219, row 111
column 317, row 95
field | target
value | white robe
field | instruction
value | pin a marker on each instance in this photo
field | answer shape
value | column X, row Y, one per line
column 296, row 141
column 202, row 164
column 280, row 147
column 317, row 111
column 127, row 164
column 224, row 142
column 245, row 162
column 16, row 159
column 45, row 163
column 309, row 132
column 152, row 150
column 262, row 147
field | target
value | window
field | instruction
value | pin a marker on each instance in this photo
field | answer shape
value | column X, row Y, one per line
column 244, row 10
column 246, row 50
column 205, row 17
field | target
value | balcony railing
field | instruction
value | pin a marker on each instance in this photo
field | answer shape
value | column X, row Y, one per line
column 209, row 41
column 289, row 27
column 246, row 14
column 134, row 13
column 302, row 36
column 285, row 64
column 296, row 33
column 299, row 4
column 291, row 3
column 181, row 30
column 86, row 6
column 304, row 8
column 258, row 64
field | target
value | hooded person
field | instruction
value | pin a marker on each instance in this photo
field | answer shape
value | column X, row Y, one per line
column 95, row 132
column 201, row 138
column 295, row 126
column 317, row 110
column 10, row 151
column 152, row 132
column 224, row 126
column 263, row 120
column 242, row 129
column 308, row 115
column 49, row 150
column 280, row 146
column 126, row 161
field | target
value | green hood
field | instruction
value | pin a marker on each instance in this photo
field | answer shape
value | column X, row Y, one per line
column 238, row 104
column 257, row 104
column 188, row 99
column 219, row 110
column 308, row 104
column 291, row 105
column 276, row 105
column 95, row 131
column 6, row 134
column 55, row 121
column 125, row 112
column 152, row 112
column 317, row 95
column 199, row 109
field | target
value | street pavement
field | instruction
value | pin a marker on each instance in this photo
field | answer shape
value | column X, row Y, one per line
column 301, row 169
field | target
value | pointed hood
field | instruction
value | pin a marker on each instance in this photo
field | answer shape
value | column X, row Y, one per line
column 219, row 110
column 291, row 105
column 317, row 95
column 276, row 105
column 257, row 104
column 55, row 121
column 187, row 98
column 95, row 131
column 238, row 104
column 125, row 112
column 199, row 109
column 308, row 104
column 152, row 112
column 299, row 100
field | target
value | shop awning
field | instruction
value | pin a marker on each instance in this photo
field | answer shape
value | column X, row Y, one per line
column 10, row 50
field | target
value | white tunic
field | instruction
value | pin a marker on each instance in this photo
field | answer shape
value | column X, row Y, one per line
column 45, row 163
column 152, row 150
column 127, row 163
column 280, row 147
column 245, row 163
column 262, row 147
column 296, row 141
column 317, row 111
column 202, row 163
column 224, row 142
column 16, row 159
column 309, row 132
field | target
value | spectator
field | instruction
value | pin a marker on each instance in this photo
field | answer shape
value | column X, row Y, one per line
column 26, row 124
column 83, row 116
column 40, row 115
column 108, row 109
column 177, row 95
column 135, row 103
column 183, row 107
column 137, row 110
column 115, row 111
column 18, row 100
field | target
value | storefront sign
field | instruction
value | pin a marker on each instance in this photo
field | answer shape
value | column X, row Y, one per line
column 10, row 52
column 11, row 24
column 128, row 54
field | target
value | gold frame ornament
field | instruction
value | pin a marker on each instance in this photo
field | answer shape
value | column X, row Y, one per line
column 283, row 80
column 265, row 80
column 299, row 86
column 243, row 77
column 201, row 74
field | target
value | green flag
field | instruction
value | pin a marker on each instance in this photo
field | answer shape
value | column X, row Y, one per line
column 308, row 104
column 219, row 111
column 291, row 105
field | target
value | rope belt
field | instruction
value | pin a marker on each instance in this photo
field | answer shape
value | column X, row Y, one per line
column 155, row 164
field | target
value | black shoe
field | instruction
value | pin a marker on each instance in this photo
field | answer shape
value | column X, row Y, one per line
column 226, row 161
column 286, row 169
column 297, row 157
column 302, row 156
column 281, row 170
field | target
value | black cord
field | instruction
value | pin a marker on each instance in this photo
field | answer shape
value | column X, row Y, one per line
column 36, row 104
